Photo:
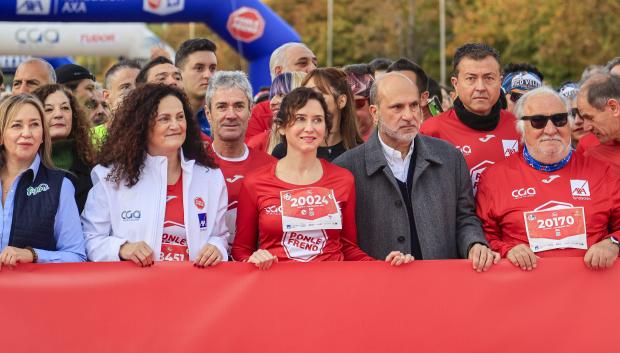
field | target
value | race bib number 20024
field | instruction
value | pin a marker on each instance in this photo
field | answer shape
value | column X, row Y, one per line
column 311, row 208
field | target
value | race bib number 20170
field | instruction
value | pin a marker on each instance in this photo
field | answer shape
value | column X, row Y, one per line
column 556, row 229
column 311, row 208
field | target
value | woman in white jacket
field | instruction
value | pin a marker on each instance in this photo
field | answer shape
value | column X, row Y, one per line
column 157, row 195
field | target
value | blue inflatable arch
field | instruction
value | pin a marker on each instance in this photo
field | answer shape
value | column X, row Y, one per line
column 240, row 15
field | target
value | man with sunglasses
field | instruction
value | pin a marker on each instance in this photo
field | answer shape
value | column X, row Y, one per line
column 477, row 125
column 519, row 79
column 599, row 106
column 548, row 200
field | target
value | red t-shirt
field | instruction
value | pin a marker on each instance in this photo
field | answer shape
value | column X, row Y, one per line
column 260, row 141
column 174, row 239
column 259, row 219
column 235, row 170
column 587, row 141
column 481, row 149
column 512, row 187
column 607, row 153
column 260, row 120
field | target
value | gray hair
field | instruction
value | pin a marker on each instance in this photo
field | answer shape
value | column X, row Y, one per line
column 48, row 67
column 600, row 88
column 612, row 63
column 228, row 79
column 544, row 90
column 278, row 57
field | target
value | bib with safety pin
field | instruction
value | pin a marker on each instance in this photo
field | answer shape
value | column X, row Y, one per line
column 311, row 208
column 557, row 228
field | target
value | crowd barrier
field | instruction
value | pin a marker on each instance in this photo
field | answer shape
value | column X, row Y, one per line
column 425, row 306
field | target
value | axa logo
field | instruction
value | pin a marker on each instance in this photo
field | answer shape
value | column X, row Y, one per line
column 510, row 147
column 273, row 210
column 486, row 138
column 550, row 178
column 131, row 215
column 33, row 7
column 465, row 150
column 580, row 189
column 73, row 6
column 234, row 178
column 523, row 193
column 163, row 7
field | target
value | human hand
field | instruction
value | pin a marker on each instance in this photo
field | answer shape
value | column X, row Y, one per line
column 208, row 256
column 397, row 258
column 482, row 257
column 262, row 259
column 522, row 256
column 11, row 256
column 601, row 255
column 139, row 252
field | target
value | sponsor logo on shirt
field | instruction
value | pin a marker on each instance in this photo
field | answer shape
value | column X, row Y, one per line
column 131, row 215
column 234, row 178
column 30, row 191
column 477, row 171
column 550, row 178
column 199, row 203
column 486, row 138
column 170, row 198
column 510, row 147
column 33, row 7
column 580, row 189
column 304, row 246
column 273, row 210
column 202, row 220
column 523, row 193
column 465, row 150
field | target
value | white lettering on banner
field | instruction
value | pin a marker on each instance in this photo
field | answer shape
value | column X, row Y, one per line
column 510, row 147
column 580, row 189
column 523, row 192
column 163, row 7
column 33, row 7
column 558, row 226
column 477, row 171
column 37, row 36
column 73, row 6
column 304, row 246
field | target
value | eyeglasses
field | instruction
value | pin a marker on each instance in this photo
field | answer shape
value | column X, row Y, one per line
column 360, row 103
column 540, row 121
column 514, row 96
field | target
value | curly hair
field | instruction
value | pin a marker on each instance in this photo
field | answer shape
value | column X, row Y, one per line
column 127, row 144
column 80, row 128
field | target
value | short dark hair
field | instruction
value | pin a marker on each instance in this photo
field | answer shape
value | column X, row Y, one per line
column 117, row 67
column 380, row 64
column 475, row 51
column 144, row 72
column 297, row 99
column 600, row 88
column 434, row 90
column 403, row 64
column 191, row 46
column 516, row 67
column 359, row 69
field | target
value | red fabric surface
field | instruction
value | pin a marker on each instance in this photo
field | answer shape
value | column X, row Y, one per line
column 426, row 306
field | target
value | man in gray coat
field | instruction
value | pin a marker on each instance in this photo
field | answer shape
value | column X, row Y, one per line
column 414, row 193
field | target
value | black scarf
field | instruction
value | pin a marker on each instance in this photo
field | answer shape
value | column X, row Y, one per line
column 475, row 121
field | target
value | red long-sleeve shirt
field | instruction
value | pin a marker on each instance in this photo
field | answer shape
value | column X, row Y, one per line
column 512, row 187
column 259, row 219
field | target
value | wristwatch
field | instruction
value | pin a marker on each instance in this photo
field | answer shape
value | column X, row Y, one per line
column 614, row 241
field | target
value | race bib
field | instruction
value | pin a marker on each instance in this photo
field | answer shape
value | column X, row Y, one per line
column 311, row 208
column 556, row 229
column 304, row 246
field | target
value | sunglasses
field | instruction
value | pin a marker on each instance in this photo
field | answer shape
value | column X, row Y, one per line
column 360, row 103
column 540, row 121
column 514, row 96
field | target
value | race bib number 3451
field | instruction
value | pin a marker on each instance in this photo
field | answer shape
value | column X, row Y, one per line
column 556, row 229
column 311, row 208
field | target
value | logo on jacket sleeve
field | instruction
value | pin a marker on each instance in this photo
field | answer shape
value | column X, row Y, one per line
column 580, row 189
column 30, row 191
column 131, row 215
column 510, row 147
column 199, row 203
column 202, row 220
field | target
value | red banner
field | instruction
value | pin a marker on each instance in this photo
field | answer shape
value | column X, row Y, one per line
column 426, row 306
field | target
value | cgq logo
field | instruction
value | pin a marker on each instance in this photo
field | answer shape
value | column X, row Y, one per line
column 131, row 215
column 523, row 192
column 37, row 36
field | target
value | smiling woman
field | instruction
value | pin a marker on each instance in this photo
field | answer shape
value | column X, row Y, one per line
column 157, row 196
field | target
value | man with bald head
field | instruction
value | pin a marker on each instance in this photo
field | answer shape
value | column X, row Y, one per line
column 31, row 74
column 414, row 193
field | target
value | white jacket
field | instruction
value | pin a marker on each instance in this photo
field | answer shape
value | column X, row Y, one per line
column 116, row 214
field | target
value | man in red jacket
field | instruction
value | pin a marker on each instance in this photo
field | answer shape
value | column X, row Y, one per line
column 477, row 125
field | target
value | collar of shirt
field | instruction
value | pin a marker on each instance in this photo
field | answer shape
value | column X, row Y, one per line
column 396, row 162
column 244, row 156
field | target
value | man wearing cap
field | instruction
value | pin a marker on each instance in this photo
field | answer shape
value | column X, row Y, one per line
column 360, row 78
column 477, row 125
column 31, row 74
column 518, row 79
column 78, row 80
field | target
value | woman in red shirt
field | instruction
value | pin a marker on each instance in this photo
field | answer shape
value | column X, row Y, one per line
column 300, row 208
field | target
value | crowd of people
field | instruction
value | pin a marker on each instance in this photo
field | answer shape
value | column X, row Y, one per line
column 175, row 160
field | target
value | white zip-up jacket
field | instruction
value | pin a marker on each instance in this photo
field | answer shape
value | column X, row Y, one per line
column 115, row 214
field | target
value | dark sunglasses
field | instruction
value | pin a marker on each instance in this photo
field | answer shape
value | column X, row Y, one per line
column 360, row 103
column 540, row 121
column 514, row 96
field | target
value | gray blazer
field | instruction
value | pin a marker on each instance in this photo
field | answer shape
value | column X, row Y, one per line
column 442, row 199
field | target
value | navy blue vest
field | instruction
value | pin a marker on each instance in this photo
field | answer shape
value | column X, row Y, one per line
column 34, row 209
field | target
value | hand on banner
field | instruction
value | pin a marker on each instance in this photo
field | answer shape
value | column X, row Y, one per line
column 397, row 258
column 138, row 252
column 208, row 256
column 482, row 257
column 522, row 256
column 262, row 259
column 601, row 255
column 11, row 256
